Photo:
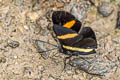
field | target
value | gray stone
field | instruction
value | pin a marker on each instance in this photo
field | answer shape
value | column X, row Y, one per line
column 40, row 46
column 79, row 12
column 105, row 9
column 95, row 66
column 2, row 60
column 13, row 44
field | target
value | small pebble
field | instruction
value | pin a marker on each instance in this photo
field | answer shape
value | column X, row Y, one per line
column 33, row 16
column 13, row 44
column 1, row 0
column 119, row 59
column 75, row 76
column 92, row 17
column 2, row 60
column 79, row 12
column 94, row 2
column 51, row 78
column 15, row 57
column 16, row 63
column 59, row 5
column 54, row 9
column 69, row 72
column 105, row 9
column 41, row 49
column 26, row 27
column 21, row 29
column 39, row 46
column 66, row 1
column 28, row 71
column 110, row 57
column 108, row 44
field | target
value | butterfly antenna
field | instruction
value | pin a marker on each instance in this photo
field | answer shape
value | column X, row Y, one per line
column 47, row 50
column 47, row 43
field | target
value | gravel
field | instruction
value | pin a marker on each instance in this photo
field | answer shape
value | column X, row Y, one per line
column 23, row 23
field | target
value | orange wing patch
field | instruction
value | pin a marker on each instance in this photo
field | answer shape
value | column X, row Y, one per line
column 69, row 24
column 66, row 36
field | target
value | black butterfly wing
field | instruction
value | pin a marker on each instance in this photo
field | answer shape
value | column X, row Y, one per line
column 66, row 19
column 66, row 36
column 89, row 38
column 73, row 42
column 66, row 28
column 88, row 32
column 86, row 43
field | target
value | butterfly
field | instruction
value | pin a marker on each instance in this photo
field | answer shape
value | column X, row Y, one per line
column 74, row 39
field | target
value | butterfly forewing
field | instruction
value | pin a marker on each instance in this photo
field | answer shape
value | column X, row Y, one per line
column 66, row 36
column 67, row 20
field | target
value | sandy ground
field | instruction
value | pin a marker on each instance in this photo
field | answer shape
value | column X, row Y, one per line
column 25, row 21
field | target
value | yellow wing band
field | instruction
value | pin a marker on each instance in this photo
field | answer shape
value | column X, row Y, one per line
column 69, row 24
column 66, row 36
column 77, row 49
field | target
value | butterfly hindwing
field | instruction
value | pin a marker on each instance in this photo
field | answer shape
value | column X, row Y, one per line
column 88, row 32
column 89, row 38
column 83, row 46
column 74, row 43
column 67, row 20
